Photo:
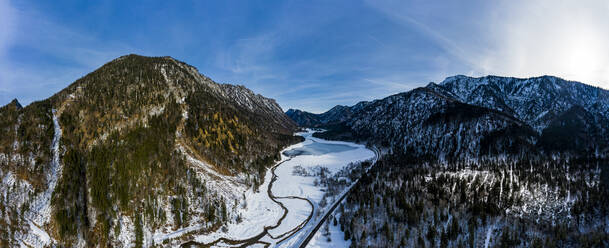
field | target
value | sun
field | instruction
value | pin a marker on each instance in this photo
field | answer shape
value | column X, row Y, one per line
column 583, row 57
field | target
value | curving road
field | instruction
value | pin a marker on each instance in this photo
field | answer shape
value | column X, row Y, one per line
column 286, row 235
column 311, row 234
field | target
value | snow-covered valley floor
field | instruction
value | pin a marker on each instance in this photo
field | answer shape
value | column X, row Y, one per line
column 299, row 194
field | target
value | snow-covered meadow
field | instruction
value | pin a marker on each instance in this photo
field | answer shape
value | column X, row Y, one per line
column 333, row 155
column 290, row 188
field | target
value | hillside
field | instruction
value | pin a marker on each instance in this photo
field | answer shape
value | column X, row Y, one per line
column 335, row 115
column 139, row 147
column 479, row 162
column 501, row 114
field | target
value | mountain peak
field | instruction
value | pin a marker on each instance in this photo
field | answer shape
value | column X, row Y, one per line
column 131, row 59
column 515, row 96
column 292, row 111
column 456, row 77
column 501, row 78
column 16, row 103
column 137, row 56
column 338, row 108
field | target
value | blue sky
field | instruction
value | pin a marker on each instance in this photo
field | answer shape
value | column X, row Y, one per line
column 310, row 55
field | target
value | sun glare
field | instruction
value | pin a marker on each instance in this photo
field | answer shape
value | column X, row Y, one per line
column 583, row 58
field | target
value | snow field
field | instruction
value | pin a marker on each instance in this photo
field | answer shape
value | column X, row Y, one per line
column 261, row 211
column 299, row 210
column 337, row 237
column 289, row 184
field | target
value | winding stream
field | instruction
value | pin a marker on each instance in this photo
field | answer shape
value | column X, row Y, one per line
column 297, row 195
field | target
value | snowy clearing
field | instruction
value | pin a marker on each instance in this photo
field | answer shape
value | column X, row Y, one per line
column 295, row 192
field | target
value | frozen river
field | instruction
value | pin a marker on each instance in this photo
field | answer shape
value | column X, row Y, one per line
column 299, row 194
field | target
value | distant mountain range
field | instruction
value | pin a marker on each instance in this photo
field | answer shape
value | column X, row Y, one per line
column 471, row 117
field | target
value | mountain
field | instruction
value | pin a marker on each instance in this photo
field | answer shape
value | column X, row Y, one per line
column 140, row 147
column 471, row 117
column 14, row 103
column 536, row 101
column 478, row 162
column 259, row 104
column 335, row 115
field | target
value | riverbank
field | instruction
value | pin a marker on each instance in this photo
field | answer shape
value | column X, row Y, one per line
column 281, row 215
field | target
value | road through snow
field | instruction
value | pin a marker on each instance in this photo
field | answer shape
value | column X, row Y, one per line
column 297, row 195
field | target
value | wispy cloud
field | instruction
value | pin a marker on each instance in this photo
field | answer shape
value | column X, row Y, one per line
column 403, row 17
column 309, row 55
column 391, row 84
column 247, row 55
column 60, row 55
column 7, row 25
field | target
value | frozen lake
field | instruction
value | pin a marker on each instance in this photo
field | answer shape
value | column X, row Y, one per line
column 318, row 148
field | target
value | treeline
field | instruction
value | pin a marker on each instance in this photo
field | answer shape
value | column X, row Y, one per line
column 406, row 202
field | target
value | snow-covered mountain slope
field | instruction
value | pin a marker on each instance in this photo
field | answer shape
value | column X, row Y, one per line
column 337, row 114
column 427, row 123
column 257, row 103
column 536, row 101
column 304, row 119
column 142, row 150
column 487, row 162
column 464, row 117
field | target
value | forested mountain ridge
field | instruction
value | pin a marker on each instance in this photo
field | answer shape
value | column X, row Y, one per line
column 479, row 162
column 337, row 114
column 246, row 98
column 140, row 147
column 534, row 108
column 537, row 101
